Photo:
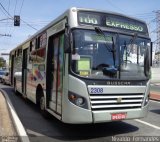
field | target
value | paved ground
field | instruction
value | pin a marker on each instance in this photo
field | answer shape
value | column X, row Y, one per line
column 6, row 124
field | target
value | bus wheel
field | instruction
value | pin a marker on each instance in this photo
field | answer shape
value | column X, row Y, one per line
column 15, row 88
column 42, row 107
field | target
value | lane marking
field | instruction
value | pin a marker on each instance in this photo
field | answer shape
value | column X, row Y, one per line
column 34, row 133
column 148, row 124
column 18, row 124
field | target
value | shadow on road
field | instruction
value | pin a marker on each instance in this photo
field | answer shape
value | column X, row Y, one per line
column 38, row 128
column 157, row 111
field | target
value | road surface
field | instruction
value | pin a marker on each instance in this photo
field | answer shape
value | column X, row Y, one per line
column 41, row 129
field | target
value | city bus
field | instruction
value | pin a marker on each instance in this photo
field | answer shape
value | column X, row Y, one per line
column 86, row 66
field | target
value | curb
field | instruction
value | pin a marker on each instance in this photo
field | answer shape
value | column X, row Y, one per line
column 17, row 123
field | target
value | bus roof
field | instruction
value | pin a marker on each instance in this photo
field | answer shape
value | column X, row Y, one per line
column 65, row 14
column 109, row 12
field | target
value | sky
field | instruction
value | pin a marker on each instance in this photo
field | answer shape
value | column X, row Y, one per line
column 38, row 13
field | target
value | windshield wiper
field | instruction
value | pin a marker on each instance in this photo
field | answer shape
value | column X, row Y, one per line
column 125, row 48
column 99, row 31
column 113, row 49
column 112, row 69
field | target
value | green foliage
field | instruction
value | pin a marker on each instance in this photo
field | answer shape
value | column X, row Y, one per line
column 2, row 62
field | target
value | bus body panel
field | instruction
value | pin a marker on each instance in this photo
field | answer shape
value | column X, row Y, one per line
column 100, row 101
column 106, row 116
column 75, row 115
column 110, row 89
column 70, row 112
column 130, row 94
column 79, row 87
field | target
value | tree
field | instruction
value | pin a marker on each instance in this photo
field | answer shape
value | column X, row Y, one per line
column 2, row 62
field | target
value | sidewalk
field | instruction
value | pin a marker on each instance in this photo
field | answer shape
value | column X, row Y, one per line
column 155, row 95
column 7, row 128
column 11, row 128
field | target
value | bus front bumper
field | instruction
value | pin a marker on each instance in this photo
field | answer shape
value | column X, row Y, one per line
column 77, row 115
column 106, row 116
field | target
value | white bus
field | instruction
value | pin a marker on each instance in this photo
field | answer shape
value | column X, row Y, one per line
column 87, row 66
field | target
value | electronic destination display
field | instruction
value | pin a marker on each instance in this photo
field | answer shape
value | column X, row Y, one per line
column 111, row 21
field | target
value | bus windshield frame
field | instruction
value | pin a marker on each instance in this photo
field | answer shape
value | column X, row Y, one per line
column 112, row 22
column 92, row 56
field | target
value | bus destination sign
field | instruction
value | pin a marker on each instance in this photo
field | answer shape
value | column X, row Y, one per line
column 89, row 18
column 124, row 25
column 111, row 21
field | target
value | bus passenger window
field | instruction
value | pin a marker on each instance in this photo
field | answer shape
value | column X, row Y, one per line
column 41, row 54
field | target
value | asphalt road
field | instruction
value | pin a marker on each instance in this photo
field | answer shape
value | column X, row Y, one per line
column 41, row 129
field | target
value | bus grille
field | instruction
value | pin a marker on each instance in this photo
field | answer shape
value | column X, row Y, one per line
column 116, row 101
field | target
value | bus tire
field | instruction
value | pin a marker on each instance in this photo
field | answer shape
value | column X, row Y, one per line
column 15, row 88
column 3, row 82
column 42, row 107
column 40, row 99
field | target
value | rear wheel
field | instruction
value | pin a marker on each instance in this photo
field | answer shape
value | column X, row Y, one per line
column 15, row 87
column 3, row 81
column 42, row 107
column 42, row 103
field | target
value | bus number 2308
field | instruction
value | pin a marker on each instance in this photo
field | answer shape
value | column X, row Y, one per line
column 96, row 90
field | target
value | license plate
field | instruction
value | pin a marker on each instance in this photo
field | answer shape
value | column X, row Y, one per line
column 118, row 116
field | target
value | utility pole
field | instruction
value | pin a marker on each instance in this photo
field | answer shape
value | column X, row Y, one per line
column 4, row 54
column 158, row 30
column 6, row 19
column 157, row 51
column 5, row 35
column 16, row 19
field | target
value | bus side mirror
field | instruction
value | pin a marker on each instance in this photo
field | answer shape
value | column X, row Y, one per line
column 67, row 40
column 67, row 45
column 151, row 52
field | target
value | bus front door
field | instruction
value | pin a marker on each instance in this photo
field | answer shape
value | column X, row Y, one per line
column 54, row 74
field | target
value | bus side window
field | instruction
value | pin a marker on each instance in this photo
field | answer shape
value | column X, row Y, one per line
column 38, row 43
column 41, row 54
column 30, row 48
column 41, row 41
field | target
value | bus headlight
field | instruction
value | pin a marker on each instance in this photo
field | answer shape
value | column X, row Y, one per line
column 77, row 100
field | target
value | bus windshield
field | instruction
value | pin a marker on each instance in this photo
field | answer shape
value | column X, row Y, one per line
column 110, row 55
